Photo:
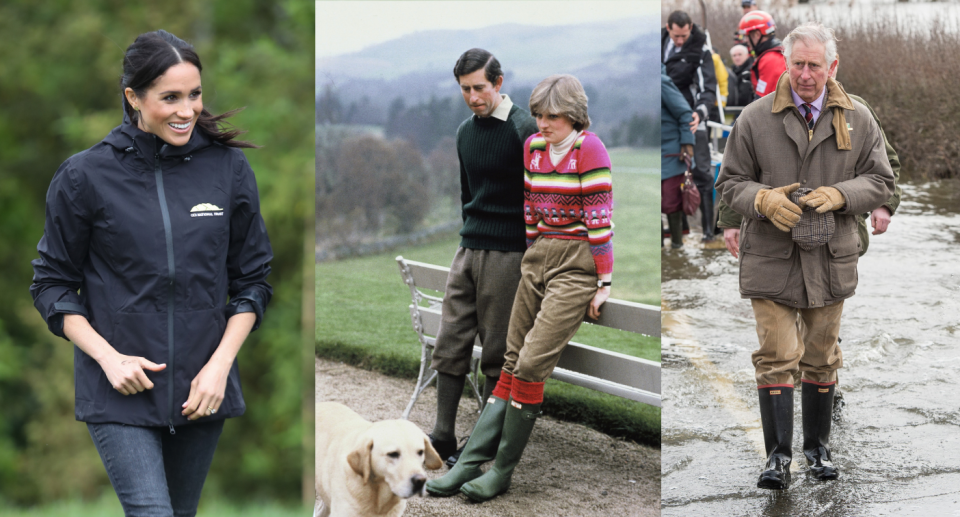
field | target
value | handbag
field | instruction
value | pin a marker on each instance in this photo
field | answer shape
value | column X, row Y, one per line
column 688, row 190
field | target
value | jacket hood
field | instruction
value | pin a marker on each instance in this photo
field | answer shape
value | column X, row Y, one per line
column 127, row 134
column 837, row 100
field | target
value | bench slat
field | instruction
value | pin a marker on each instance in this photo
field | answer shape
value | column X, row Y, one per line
column 623, row 315
column 602, row 370
column 618, row 314
column 428, row 276
column 604, row 386
column 617, row 368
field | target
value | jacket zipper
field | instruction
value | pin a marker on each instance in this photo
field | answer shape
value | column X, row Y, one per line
column 171, row 278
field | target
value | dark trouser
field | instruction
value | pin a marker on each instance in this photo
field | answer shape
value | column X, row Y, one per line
column 155, row 473
column 704, row 179
column 478, row 298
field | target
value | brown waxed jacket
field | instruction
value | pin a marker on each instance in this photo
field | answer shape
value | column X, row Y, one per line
column 769, row 147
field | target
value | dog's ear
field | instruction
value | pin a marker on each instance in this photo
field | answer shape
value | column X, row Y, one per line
column 431, row 459
column 360, row 458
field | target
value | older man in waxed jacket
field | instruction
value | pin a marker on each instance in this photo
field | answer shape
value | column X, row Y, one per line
column 808, row 135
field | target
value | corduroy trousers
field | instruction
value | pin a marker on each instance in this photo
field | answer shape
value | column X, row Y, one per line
column 794, row 339
column 558, row 281
column 478, row 298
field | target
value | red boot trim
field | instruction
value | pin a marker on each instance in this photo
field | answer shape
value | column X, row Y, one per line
column 502, row 389
column 527, row 392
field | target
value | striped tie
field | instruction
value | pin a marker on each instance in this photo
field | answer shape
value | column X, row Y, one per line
column 808, row 114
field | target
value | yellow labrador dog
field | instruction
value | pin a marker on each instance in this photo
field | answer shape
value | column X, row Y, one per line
column 368, row 469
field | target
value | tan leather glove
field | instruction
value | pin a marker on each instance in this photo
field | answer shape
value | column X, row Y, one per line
column 826, row 198
column 777, row 207
column 687, row 149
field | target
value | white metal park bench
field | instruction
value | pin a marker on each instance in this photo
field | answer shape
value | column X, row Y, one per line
column 618, row 374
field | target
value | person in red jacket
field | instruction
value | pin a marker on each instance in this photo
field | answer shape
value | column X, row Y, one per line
column 768, row 63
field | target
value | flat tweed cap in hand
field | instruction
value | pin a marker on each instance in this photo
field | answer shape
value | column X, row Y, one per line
column 813, row 229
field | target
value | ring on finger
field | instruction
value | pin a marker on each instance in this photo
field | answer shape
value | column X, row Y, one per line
column 212, row 410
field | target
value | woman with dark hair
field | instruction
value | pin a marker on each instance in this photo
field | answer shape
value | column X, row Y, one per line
column 146, row 235
column 566, row 273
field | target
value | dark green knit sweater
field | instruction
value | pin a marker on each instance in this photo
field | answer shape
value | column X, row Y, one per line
column 491, row 180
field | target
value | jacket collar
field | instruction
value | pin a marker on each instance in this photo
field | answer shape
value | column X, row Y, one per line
column 692, row 48
column 837, row 100
column 770, row 44
column 127, row 134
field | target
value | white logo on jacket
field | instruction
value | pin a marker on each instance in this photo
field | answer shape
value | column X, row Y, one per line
column 206, row 210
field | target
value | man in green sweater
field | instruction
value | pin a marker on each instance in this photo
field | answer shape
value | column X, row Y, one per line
column 485, row 271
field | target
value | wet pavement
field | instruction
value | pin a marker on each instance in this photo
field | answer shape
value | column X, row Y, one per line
column 897, row 443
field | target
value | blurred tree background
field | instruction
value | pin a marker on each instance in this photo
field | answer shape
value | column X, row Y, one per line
column 60, row 64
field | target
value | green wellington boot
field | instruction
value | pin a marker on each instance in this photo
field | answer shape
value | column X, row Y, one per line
column 480, row 448
column 517, row 427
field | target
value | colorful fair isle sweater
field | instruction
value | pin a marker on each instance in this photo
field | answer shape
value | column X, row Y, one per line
column 572, row 200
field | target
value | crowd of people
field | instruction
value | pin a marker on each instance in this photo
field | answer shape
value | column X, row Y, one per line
column 693, row 66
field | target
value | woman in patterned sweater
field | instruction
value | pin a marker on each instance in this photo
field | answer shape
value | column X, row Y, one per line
column 566, row 272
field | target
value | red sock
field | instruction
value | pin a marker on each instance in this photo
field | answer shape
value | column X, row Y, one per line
column 502, row 389
column 527, row 392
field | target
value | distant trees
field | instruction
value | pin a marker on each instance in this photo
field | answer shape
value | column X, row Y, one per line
column 329, row 107
column 371, row 185
column 424, row 124
column 428, row 122
column 637, row 131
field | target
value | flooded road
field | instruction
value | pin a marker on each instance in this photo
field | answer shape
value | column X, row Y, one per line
column 897, row 443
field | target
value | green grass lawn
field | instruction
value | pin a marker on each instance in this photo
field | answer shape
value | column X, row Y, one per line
column 634, row 158
column 109, row 506
column 362, row 315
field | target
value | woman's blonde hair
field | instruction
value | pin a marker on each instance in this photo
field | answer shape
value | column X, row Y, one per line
column 561, row 94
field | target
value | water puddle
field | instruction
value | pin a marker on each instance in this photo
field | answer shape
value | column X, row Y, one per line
column 898, row 442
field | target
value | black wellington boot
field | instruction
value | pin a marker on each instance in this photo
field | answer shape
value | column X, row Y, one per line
column 706, row 214
column 816, row 403
column 776, row 415
column 675, row 221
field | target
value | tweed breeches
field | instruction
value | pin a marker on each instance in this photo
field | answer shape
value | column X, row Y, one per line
column 477, row 301
column 794, row 339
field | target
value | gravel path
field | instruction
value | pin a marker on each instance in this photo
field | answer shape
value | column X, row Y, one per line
column 567, row 469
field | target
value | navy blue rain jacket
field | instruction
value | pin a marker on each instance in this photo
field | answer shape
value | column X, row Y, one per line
column 148, row 241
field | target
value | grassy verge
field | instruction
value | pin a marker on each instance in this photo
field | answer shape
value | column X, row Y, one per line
column 362, row 316
column 108, row 506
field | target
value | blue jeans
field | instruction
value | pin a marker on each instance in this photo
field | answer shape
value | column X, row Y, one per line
column 155, row 473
